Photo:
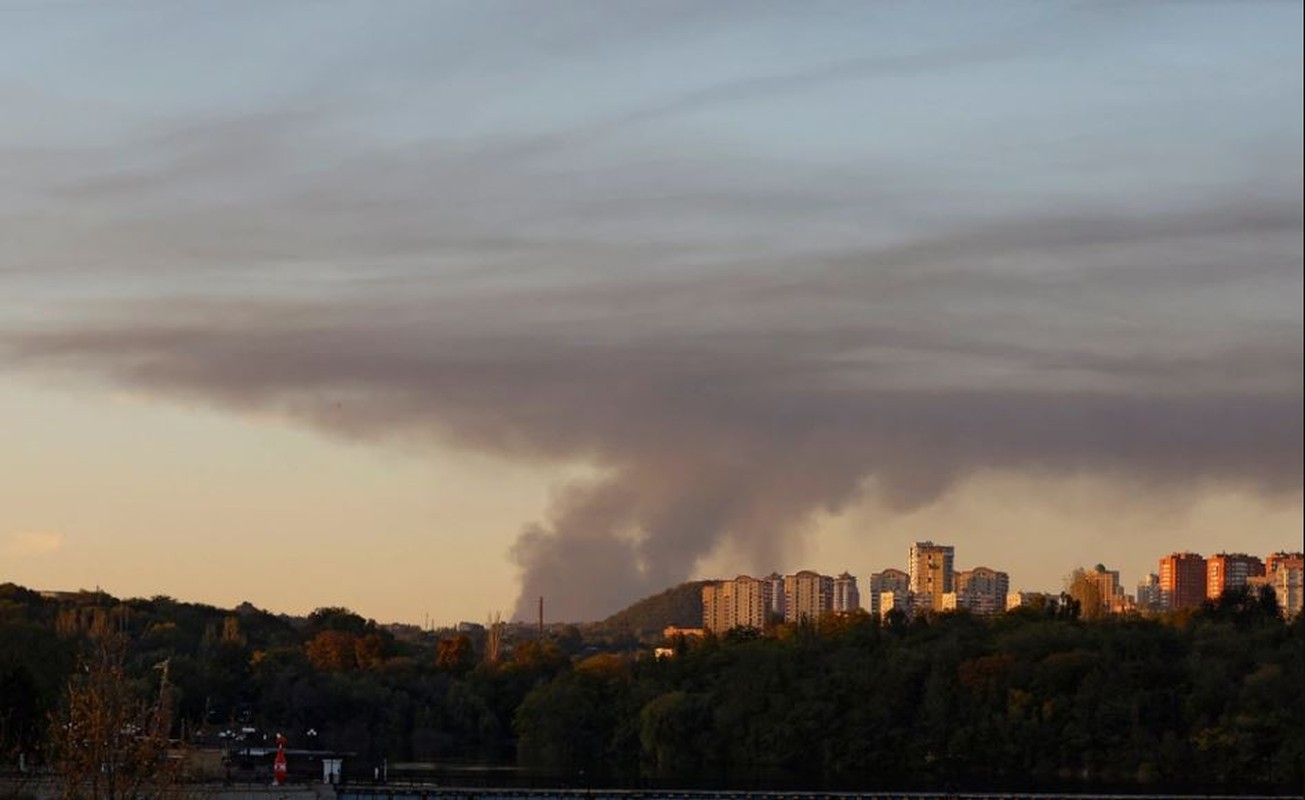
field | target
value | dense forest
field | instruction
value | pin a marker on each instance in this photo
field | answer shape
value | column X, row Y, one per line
column 1210, row 698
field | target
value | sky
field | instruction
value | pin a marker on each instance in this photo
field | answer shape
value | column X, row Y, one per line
column 430, row 309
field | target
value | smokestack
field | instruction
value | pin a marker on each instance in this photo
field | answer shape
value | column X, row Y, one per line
column 541, row 618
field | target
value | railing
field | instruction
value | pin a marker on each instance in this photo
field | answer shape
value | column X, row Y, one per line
column 463, row 793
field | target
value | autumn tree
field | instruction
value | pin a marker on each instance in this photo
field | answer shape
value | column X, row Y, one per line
column 231, row 633
column 108, row 742
column 370, row 651
column 333, row 651
column 1087, row 592
column 455, row 655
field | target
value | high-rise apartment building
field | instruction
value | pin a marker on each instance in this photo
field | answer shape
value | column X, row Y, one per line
column 744, row 602
column 776, row 582
column 931, row 569
column 1230, row 571
column 1287, row 580
column 1182, row 580
column 892, row 600
column 846, row 596
column 890, row 580
column 715, row 615
column 751, row 602
column 1106, row 581
column 1285, row 574
column 981, row 591
column 1275, row 559
column 1149, row 596
column 807, row 595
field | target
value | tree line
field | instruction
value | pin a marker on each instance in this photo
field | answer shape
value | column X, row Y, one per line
column 1203, row 699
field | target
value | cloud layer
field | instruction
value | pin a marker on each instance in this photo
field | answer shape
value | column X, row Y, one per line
column 748, row 269
column 729, row 407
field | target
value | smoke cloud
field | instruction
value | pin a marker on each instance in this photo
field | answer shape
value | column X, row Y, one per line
column 727, row 408
column 747, row 276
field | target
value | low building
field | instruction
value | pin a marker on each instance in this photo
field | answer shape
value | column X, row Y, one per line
column 671, row 631
column 1035, row 600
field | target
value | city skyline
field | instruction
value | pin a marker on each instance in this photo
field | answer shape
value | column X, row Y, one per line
column 1183, row 580
column 843, row 593
column 438, row 311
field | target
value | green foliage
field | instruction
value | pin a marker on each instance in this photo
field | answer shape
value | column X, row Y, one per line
column 1036, row 699
column 335, row 618
column 34, row 665
column 1022, row 702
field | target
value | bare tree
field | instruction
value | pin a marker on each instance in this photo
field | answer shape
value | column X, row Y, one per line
column 493, row 638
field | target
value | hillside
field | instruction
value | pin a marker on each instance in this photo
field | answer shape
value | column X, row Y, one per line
column 680, row 605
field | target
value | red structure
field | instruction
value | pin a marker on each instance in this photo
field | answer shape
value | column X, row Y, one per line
column 1182, row 580
column 1295, row 560
column 279, row 770
column 1230, row 571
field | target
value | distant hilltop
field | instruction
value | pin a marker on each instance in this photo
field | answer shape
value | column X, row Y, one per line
column 679, row 606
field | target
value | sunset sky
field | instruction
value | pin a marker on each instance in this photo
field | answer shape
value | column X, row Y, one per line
column 430, row 308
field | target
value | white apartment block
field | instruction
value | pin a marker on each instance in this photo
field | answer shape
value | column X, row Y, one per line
column 893, row 600
column 744, row 602
column 807, row 595
column 1287, row 586
column 890, row 580
column 981, row 591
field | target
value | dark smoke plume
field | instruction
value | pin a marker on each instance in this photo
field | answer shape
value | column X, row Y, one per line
column 745, row 288
column 729, row 407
